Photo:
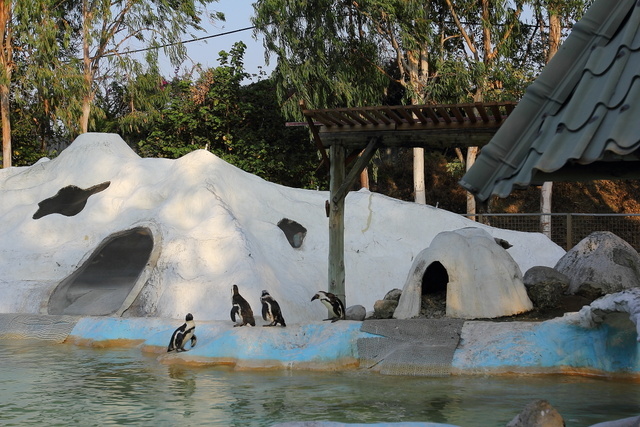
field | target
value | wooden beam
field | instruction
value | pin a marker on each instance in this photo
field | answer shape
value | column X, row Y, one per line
column 357, row 168
column 336, row 274
column 436, row 139
column 318, row 141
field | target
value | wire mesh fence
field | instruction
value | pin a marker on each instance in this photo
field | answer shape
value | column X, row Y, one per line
column 567, row 229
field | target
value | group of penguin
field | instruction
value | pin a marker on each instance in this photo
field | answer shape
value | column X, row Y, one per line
column 242, row 314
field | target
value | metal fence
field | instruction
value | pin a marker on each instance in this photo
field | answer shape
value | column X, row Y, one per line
column 567, row 229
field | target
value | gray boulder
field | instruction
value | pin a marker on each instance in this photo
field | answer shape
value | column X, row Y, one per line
column 538, row 413
column 393, row 295
column 356, row 312
column 384, row 308
column 545, row 286
column 602, row 263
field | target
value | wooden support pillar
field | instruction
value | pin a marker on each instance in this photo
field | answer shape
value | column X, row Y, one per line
column 336, row 222
column 339, row 186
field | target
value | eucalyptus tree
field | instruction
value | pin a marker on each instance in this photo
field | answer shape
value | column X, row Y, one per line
column 47, row 74
column 33, row 39
column 108, row 27
column 325, row 55
column 338, row 53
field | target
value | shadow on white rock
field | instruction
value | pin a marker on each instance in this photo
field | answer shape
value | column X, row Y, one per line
column 481, row 279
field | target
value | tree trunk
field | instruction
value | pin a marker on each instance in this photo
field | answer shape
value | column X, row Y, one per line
column 472, row 153
column 6, row 126
column 6, row 71
column 364, row 178
column 546, row 191
column 418, row 176
column 87, row 98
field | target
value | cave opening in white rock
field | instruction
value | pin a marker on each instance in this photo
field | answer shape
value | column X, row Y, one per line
column 435, row 279
column 434, row 290
column 102, row 284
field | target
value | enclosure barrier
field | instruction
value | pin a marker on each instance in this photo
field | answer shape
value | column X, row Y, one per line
column 567, row 229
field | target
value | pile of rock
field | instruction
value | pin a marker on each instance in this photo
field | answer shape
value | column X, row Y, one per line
column 600, row 264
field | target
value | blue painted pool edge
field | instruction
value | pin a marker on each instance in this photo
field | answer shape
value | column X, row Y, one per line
column 485, row 347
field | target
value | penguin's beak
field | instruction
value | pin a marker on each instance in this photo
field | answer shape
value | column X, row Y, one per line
column 314, row 297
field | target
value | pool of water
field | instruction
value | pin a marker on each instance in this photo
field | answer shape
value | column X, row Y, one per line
column 62, row 384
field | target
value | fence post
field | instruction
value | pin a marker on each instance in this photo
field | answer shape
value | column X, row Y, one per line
column 569, row 231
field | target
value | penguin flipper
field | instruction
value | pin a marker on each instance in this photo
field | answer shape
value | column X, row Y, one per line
column 176, row 338
column 234, row 312
column 265, row 311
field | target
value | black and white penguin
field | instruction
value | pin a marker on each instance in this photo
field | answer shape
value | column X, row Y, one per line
column 184, row 333
column 241, row 310
column 271, row 310
column 333, row 304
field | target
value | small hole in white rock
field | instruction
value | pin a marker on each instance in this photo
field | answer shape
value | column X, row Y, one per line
column 293, row 231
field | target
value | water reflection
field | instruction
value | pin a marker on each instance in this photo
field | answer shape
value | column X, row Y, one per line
column 64, row 384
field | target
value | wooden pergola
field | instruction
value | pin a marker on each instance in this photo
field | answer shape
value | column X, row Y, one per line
column 350, row 133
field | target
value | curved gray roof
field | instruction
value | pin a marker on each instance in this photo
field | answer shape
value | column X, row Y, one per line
column 583, row 109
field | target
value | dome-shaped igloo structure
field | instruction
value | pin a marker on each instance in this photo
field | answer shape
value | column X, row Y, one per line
column 480, row 277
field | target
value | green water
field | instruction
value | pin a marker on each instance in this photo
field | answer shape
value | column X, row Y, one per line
column 48, row 384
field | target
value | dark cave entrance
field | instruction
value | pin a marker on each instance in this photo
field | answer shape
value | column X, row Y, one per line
column 101, row 285
column 434, row 291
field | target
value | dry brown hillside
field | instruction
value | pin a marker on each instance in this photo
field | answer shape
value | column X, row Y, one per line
column 392, row 175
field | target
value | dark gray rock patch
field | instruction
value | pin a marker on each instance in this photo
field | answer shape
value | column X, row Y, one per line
column 68, row 201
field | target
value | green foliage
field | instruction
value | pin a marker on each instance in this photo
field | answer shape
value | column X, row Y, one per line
column 325, row 55
column 242, row 124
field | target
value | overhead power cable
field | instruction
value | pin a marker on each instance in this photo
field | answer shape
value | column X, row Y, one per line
column 144, row 49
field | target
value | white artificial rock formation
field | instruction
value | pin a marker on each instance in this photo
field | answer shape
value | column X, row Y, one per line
column 211, row 226
column 614, row 308
column 483, row 279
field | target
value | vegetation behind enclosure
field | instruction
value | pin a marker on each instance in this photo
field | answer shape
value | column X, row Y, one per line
column 331, row 54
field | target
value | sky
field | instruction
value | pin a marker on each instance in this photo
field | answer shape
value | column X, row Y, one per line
column 238, row 15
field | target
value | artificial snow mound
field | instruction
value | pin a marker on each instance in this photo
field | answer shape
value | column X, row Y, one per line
column 212, row 226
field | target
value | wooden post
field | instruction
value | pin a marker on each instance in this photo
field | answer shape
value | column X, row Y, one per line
column 336, row 222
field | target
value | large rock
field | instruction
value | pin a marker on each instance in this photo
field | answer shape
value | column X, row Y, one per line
column 480, row 277
column 545, row 286
column 601, row 263
column 355, row 312
column 384, row 308
column 538, row 413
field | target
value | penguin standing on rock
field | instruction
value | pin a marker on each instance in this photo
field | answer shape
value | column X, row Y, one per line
column 241, row 309
column 183, row 334
column 333, row 304
column 271, row 310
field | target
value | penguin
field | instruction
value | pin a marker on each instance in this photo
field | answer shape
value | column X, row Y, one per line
column 271, row 310
column 241, row 309
column 333, row 304
column 183, row 334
